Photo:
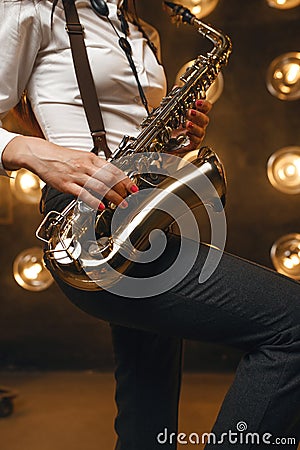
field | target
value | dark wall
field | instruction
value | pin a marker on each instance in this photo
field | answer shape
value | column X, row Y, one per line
column 247, row 124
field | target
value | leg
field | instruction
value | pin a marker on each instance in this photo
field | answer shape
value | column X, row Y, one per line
column 263, row 309
column 148, row 376
column 243, row 305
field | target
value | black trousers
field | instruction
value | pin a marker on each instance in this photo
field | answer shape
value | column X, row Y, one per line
column 243, row 305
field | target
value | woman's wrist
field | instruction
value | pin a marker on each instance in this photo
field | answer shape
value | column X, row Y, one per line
column 18, row 152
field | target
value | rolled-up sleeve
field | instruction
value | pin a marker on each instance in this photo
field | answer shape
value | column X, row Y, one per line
column 20, row 38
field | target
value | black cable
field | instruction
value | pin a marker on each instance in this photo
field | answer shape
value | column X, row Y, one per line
column 126, row 47
column 101, row 9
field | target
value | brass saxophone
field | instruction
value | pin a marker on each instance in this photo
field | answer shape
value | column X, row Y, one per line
column 81, row 247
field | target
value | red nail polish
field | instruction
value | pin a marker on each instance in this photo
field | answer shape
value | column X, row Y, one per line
column 101, row 206
column 190, row 124
column 199, row 103
column 193, row 112
column 134, row 188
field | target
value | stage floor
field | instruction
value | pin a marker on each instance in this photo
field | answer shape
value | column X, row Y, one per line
column 75, row 410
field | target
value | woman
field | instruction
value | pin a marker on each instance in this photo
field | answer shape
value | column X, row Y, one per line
column 241, row 304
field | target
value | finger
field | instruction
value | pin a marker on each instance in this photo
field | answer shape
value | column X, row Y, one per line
column 198, row 118
column 195, row 131
column 104, row 180
column 80, row 183
column 194, row 144
column 87, row 197
column 203, row 106
column 124, row 185
column 195, row 140
column 102, row 187
column 101, row 190
column 94, row 202
column 114, row 178
column 78, row 169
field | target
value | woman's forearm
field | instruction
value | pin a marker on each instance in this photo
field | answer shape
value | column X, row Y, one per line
column 72, row 171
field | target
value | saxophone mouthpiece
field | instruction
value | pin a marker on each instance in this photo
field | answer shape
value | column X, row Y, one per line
column 184, row 14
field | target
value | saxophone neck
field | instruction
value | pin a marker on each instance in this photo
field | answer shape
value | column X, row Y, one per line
column 222, row 43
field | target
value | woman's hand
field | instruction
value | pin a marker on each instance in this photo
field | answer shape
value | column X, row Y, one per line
column 69, row 170
column 195, row 126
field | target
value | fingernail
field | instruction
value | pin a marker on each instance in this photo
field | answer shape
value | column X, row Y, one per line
column 193, row 112
column 199, row 103
column 101, row 206
column 189, row 124
column 134, row 188
column 123, row 204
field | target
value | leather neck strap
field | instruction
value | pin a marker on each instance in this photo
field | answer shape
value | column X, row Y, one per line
column 85, row 79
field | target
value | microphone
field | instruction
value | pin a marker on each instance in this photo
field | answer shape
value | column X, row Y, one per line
column 100, row 7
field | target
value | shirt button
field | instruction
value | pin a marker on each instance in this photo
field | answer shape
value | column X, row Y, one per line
column 139, row 68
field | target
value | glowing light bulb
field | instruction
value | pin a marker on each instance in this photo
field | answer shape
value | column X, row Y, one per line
column 196, row 10
column 200, row 8
column 283, row 4
column 278, row 75
column 287, row 263
column 292, row 73
column 28, row 181
column 290, row 170
column 283, row 76
column 26, row 186
column 285, row 255
column 283, row 169
column 30, row 272
column 295, row 260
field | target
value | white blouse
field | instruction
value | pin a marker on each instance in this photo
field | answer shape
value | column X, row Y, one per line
column 37, row 57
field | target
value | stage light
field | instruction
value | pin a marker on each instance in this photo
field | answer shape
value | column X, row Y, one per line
column 283, row 76
column 30, row 271
column 285, row 255
column 216, row 89
column 283, row 170
column 200, row 8
column 213, row 92
column 283, row 4
column 26, row 186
